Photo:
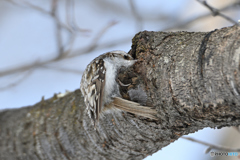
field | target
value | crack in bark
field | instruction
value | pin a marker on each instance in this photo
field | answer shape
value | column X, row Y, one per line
column 202, row 50
column 165, row 38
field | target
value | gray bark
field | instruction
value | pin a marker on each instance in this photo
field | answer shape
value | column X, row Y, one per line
column 192, row 79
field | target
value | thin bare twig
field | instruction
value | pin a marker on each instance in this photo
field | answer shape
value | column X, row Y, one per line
column 216, row 12
column 74, row 21
column 68, row 8
column 95, row 40
column 60, row 49
column 212, row 146
column 71, row 18
column 107, row 44
column 138, row 18
column 24, row 3
column 69, row 44
column 194, row 19
column 17, row 82
column 32, row 6
column 62, row 69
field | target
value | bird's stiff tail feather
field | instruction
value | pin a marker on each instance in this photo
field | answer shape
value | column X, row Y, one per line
column 135, row 108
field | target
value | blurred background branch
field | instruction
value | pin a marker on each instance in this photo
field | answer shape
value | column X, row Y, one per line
column 70, row 25
column 212, row 146
column 216, row 12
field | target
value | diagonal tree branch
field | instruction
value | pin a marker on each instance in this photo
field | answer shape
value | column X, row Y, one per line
column 191, row 78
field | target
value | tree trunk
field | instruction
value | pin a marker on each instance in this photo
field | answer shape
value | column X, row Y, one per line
column 192, row 79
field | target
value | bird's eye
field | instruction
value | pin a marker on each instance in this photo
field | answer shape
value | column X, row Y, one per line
column 125, row 57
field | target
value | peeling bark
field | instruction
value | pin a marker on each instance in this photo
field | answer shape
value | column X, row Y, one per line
column 191, row 78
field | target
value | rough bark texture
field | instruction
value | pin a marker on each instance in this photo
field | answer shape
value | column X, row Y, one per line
column 192, row 79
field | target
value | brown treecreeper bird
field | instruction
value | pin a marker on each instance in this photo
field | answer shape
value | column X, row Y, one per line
column 101, row 91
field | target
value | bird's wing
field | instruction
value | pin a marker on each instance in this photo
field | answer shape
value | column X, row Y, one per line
column 98, row 84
